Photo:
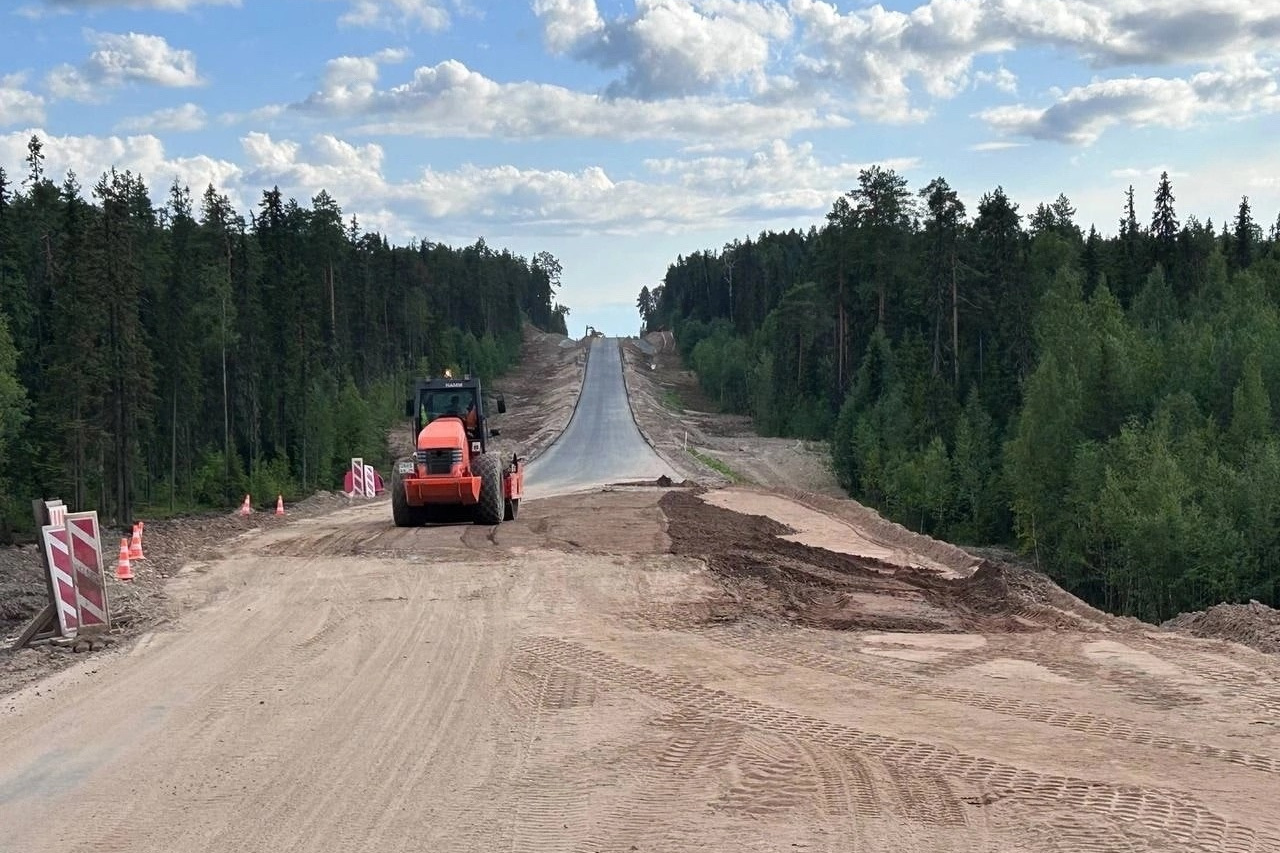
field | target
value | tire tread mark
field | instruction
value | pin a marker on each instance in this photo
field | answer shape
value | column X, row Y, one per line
column 1166, row 811
column 1133, row 687
column 1242, row 683
column 1076, row 721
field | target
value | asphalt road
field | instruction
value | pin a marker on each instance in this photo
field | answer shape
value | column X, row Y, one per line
column 602, row 444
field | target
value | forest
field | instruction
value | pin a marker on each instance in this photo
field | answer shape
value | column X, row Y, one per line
column 164, row 359
column 1109, row 405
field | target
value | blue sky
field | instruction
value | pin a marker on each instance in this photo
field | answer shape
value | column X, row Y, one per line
column 617, row 135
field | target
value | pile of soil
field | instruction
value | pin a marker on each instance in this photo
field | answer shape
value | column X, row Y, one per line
column 1253, row 624
column 765, row 576
column 22, row 586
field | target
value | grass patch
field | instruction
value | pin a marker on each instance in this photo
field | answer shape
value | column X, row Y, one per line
column 712, row 462
column 671, row 400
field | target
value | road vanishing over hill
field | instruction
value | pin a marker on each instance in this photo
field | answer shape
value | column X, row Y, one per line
column 637, row 669
column 602, row 444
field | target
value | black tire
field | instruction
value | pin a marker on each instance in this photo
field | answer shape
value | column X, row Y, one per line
column 402, row 513
column 489, row 470
column 512, row 509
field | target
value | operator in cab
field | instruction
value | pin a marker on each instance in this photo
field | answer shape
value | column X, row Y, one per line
column 470, row 418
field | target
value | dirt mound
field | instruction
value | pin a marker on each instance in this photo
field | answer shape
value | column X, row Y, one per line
column 22, row 587
column 767, row 576
column 661, row 341
column 663, row 482
column 1253, row 624
column 888, row 532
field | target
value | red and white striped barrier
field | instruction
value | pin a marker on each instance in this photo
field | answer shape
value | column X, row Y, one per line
column 88, row 571
column 64, row 585
column 362, row 481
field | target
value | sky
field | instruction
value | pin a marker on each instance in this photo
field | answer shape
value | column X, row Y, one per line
column 620, row 135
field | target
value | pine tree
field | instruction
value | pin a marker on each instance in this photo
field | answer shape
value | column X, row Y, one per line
column 974, row 468
column 1091, row 260
column 1164, row 229
column 882, row 212
column 1002, row 351
column 1245, row 237
column 1130, row 265
column 1164, row 222
column 644, row 303
column 942, row 235
column 1250, row 409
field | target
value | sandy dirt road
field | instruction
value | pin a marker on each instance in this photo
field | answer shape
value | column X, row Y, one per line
column 641, row 669
column 569, row 684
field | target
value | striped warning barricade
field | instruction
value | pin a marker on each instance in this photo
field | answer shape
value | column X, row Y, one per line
column 357, row 477
column 88, row 570
column 372, row 482
column 64, row 585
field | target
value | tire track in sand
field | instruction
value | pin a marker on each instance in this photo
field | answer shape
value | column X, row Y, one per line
column 1184, row 821
column 1076, row 721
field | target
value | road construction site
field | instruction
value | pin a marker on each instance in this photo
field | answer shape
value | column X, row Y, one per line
column 649, row 658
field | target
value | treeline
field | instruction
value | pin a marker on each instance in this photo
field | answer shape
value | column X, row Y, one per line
column 183, row 355
column 1106, row 403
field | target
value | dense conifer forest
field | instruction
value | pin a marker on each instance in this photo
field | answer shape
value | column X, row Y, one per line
column 180, row 356
column 1109, row 404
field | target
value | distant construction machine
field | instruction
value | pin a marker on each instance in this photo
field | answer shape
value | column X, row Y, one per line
column 452, row 474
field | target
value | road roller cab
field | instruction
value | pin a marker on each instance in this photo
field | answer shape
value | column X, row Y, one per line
column 452, row 474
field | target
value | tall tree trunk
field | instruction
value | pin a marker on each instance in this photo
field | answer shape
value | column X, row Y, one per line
column 226, row 408
column 840, row 326
column 333, row 311
column 173, row 450
column 955, row 323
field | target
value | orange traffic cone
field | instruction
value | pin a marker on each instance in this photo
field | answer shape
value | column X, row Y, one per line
column 124, row 572
column 245, row 508
column 135, row 547
column 279, row 504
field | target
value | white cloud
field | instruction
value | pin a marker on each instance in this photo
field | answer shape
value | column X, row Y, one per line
column 17, row 105
column 159, row 5
column 671, row 47
column 671, row 196
column 996, row 146
column 882, row 54
column 349, row 82
column 1151, row 173
column 91, row 156
column 778, row 180
column 451, row 100
column 120, row 59
column 1002, row 79
column 186, row 118
column 427, row 15
column 1082, row 114
column 566, row 23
